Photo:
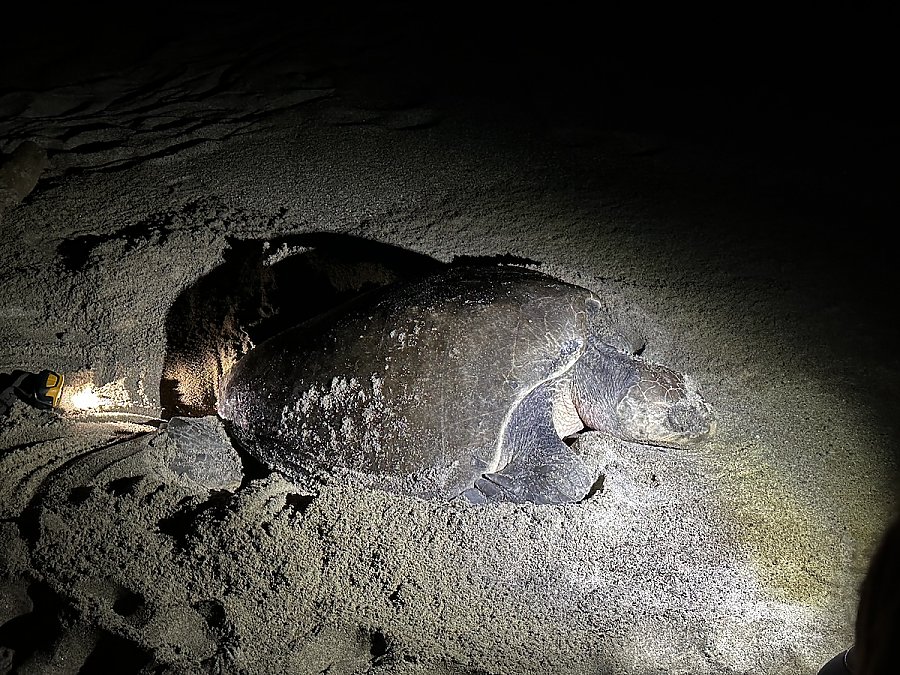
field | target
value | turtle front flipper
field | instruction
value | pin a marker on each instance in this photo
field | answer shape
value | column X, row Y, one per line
column 561, row 478
column 542, row 469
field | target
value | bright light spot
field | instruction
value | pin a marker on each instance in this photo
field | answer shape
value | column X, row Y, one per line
column 89, row 397
column 86, row 398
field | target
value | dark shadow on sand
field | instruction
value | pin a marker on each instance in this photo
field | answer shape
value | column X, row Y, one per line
column 263, row 288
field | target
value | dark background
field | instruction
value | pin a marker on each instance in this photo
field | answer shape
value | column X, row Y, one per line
column 804, row 96
column 838, row 65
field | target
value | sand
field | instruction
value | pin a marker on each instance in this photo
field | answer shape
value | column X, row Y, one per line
column 201, row 191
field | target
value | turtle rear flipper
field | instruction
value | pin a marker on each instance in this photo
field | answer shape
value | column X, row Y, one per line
column 200, row 453
column 543, row 469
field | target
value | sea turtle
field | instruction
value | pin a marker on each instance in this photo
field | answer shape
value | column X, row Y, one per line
column 462, row 384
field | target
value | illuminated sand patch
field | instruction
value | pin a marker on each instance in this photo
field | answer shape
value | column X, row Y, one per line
column 82, row 395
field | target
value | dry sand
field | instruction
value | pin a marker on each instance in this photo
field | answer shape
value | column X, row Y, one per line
column 178, row 166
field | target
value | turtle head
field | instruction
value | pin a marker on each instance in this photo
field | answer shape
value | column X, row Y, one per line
column 664, row 408
column 637, row 400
